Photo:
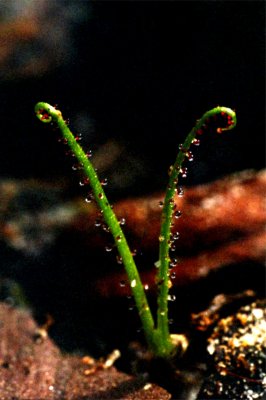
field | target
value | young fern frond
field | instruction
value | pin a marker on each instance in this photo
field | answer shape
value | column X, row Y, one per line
column 157, row 336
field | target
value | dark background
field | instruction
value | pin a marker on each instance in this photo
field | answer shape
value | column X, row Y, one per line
column 139, row 74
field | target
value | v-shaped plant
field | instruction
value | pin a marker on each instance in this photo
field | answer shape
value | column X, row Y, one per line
column 157, row 334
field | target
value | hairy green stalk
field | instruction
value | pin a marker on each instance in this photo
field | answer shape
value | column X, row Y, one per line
column 46, row 113
column 158, row 337
column 163, row 280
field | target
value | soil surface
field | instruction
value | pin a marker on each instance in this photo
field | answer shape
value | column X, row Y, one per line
column 32, row 368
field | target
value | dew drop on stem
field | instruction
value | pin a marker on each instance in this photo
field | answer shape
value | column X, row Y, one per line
column 183, row 172
column 133, row 283
column 89, row 198
column 177, row 214
column 105, row 227
column 78, row 138
column 84, row 181
column 173, row 275
column 104, row 182
column 176, row 236
column 75, row 167
column 180, row 191
column 190, row 156
column 196, row 142
column 173, row 262
column 171, row 297
column 119, row 259
column 108, row 248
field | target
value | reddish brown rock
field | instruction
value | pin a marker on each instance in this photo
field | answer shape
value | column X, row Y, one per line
column 213, row 213
column 32, row 367
column 189, row 269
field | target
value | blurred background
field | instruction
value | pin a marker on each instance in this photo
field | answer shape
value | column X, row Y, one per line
column 132, row 77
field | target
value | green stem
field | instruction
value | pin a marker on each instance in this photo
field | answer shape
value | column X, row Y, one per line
column 167, row 213
column 46, row 113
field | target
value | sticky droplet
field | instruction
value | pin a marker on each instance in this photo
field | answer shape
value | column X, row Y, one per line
column 122, row 283
column 75, row 167
column 173, row 275
column 190, row 156
column 177, row 214
column 196, row 142
column 119, row 259
column 104, row 182
column 171, row 297
column 161, row 238
column 105, row 228
column 108, row 248
column 183, row 172
column 84, row 182
column 133, row 283
column 180, row 192
column 176, row 236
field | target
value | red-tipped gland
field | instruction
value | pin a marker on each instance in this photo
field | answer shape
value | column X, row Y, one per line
column 44, row 115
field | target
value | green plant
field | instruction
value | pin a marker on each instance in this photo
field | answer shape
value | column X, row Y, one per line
column 158, row 337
